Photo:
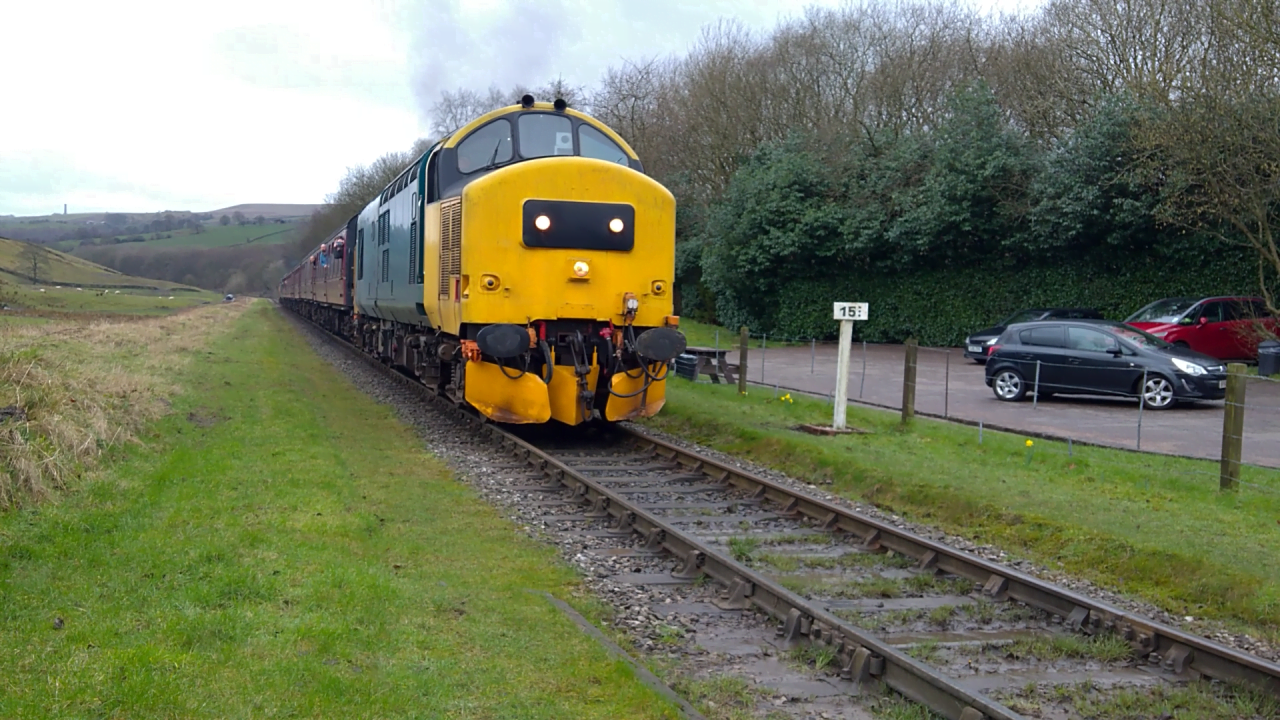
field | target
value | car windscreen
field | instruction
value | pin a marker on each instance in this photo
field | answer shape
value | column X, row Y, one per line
column 1163, row 311
column 1139, row 338
column 1022, row 316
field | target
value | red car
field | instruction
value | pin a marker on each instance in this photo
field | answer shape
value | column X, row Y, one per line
column 1228, row 328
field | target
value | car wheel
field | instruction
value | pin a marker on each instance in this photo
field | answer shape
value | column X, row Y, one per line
column 1009, row 386
column 1157, row 393
column 1183, row 344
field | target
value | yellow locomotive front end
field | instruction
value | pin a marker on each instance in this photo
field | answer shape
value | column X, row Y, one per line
column 560, row 291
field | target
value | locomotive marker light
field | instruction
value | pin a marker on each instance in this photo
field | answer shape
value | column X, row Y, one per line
column 846, row 313
column 542, row 222
column 616, row 225
column 581, row 269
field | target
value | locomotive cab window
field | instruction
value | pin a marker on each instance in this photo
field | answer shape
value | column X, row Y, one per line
column 490, row 144
column 544, row 135
column 433, row 185
column 595, row 144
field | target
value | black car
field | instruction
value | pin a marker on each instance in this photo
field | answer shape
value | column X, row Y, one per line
column 977, row 344
column 1099, row 357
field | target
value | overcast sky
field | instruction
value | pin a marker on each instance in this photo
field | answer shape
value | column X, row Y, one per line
column 148, row 105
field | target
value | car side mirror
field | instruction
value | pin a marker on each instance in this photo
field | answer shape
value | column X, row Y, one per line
column 1116, row 350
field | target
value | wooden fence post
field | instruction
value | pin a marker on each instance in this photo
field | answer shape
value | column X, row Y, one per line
column 909, row 381
column 742, row 361
column 1232, row 427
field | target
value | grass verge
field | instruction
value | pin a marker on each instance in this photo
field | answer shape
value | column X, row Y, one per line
column 283, row 547
column 1146, row 525
column 72, row 390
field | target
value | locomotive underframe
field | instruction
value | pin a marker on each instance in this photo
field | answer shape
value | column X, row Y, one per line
column 438, row 359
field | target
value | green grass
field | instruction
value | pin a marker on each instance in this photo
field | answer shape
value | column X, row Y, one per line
column 1153, row 526
column 1199, row 700
column 724, row 697
column 1107, row 648
column 215, row 235
column 698, row 334
column 283, row 546
column 68, row 299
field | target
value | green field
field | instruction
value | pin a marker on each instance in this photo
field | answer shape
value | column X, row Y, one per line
column 73, row 285
column 1154, row 527
column 215, row 235
column 282, row 546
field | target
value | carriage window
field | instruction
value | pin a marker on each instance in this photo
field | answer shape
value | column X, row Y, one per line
column 542, row 135
column 489, row 144
column 595, row 144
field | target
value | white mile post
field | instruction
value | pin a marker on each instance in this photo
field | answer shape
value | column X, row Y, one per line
column 846, row 313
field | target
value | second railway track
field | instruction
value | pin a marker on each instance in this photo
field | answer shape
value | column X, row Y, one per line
column 862, row 601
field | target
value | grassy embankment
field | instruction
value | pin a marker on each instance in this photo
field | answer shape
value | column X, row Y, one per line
column 278, row 545
column 1151, row 526
column 69, row 284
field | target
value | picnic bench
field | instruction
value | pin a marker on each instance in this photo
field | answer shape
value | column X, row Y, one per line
column 712, row 362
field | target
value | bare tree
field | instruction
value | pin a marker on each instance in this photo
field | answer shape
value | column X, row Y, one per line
column 1150, row 47
column 34, row 257
column 1217, row 148
column 455, row 109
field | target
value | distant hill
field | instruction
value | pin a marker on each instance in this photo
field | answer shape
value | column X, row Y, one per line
column 268, row 211
column 59, row 268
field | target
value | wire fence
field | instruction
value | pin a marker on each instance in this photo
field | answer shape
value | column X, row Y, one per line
column 1115, row 406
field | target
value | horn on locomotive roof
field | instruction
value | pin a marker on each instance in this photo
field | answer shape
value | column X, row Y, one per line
column 526, row 101
column 560, row 104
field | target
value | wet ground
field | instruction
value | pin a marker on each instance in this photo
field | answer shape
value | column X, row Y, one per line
column 948, row 384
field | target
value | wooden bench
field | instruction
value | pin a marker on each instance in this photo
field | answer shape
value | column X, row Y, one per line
column 712, row 362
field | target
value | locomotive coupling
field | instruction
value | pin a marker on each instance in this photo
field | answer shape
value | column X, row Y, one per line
column 660, row 344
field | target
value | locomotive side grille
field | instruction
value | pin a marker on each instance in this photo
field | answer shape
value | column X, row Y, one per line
column 415, row 268
column 450, row 242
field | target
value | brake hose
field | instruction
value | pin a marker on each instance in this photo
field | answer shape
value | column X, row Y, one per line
column 546, row 355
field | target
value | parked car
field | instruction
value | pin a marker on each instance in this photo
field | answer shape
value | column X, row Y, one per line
column 1228, row 328
column 977, row 344
column 1099, row 357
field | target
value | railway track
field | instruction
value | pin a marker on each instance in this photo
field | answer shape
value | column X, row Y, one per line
column 861, row 601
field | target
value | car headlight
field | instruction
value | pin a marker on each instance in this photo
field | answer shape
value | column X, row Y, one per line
column 992, row 341
column 1189, row 368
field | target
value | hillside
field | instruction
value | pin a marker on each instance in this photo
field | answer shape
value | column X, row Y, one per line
column 210, row 235
column 69, row 284
column 270, row 211
column 59, row 268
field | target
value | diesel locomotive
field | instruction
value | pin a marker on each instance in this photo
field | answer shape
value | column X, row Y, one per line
column 523, row 266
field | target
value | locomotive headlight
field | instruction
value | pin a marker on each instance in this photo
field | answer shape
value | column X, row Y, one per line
column 616, row 225
column 542, row 222
column 581, row 269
